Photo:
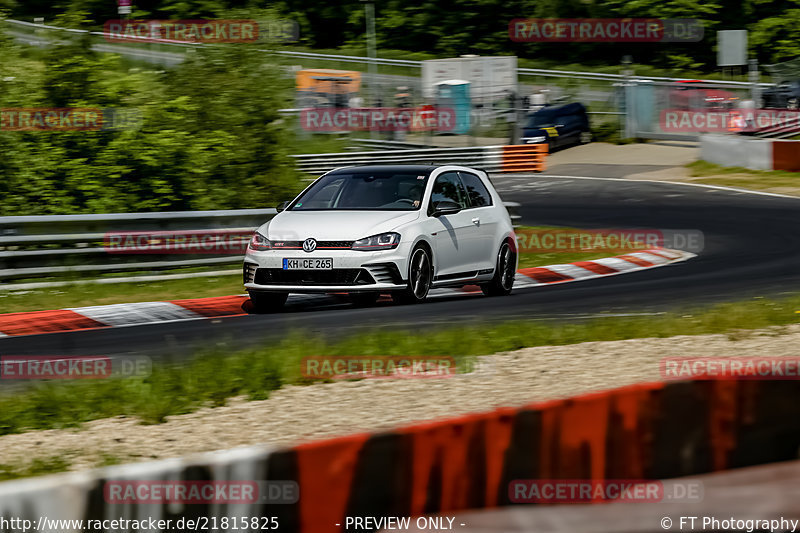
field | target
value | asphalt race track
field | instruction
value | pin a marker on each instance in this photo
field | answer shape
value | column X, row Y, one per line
column 752, row 248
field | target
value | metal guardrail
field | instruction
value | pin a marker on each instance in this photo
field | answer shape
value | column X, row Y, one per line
column 380, row 144
column 599, row 76
column 35, row 247
column 488, row 158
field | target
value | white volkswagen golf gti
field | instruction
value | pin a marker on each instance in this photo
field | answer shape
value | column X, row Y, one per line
column 396, row 229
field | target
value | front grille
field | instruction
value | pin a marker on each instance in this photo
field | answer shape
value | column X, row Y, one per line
column 298, row 245
column 334, row 244
column 337, row 276
column 249, row 272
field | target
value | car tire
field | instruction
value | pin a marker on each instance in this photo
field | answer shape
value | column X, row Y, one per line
column 420, row 278
column 364, row 299
column 268, row 302
column 504, row 272
column 586, row 137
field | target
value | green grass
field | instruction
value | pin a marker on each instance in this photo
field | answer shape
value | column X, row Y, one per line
column 213, row 377
column 102, row 294
column 762, row 180
column 37, row 467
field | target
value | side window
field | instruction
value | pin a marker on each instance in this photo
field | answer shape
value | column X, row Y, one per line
column 448, row 187
column 477, row 192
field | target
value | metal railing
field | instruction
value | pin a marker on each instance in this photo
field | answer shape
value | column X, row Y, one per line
column 37, row 247
column 521, row 71
column 488, row 158
column 381, row 144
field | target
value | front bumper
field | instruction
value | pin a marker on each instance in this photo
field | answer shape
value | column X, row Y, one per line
column 353, row 271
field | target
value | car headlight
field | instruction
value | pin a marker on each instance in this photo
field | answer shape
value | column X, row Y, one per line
column 384, row 241
column 535, row 140
column 259, row 243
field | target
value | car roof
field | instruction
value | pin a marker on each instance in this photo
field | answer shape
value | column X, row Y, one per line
column 387, row 168
column 565, row 109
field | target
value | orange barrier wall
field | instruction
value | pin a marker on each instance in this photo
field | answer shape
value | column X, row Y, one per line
column 647, row 431
column 786, row 155
column 524, row 158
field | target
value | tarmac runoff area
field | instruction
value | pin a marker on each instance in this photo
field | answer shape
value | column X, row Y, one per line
column 654, row 161
column 297, row 414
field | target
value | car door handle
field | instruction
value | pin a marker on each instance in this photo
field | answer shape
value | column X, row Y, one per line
column 476, row 221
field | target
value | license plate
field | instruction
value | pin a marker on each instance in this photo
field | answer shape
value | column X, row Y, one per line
column 308, row 264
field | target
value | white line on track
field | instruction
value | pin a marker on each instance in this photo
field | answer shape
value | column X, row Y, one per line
column 717, row 187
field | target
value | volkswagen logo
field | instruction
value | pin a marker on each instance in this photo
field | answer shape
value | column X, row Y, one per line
column 309, row 245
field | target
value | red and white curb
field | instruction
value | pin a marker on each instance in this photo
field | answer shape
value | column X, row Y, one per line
column 135, row 314
column 598, row 268
column 527, row 278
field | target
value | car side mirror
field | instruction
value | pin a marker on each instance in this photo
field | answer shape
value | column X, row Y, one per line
column 445, row 207
column 282, row 206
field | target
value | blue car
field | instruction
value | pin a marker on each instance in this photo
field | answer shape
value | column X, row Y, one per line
column 558, row 126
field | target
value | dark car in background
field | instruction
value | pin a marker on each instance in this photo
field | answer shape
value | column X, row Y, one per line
column 785, row 95
column 558, row 126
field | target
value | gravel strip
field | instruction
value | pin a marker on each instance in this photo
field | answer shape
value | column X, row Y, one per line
column 300, row 413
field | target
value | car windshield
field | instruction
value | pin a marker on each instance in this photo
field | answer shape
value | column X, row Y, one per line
column 384, row 191
column 545, row 121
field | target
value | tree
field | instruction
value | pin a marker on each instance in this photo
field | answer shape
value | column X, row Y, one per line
column 211, row 135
